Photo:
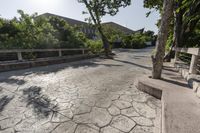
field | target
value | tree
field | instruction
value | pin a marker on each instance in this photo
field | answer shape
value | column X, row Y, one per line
column 68, row 36
column 157, row 59
column 32, row 31
column 112, row 34
column 184, row 24
column 99, row 8
column 186, row 18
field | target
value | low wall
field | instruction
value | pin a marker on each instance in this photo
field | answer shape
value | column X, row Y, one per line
column 8, row 66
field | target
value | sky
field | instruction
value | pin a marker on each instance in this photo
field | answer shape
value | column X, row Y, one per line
column 133, row 17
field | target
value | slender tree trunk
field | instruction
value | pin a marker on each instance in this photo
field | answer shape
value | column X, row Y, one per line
column 177, row 35
column 178, row 22
column 157, row 59
column 96, row 19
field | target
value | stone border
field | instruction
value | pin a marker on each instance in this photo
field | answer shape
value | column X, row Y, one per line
column 180, row 106
column 42, row 62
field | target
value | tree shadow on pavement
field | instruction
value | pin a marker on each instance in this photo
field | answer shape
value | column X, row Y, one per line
column 14, row 81
column 131, row 63
column 175, row 82
column 41, row 104
column 171, row 69
column 6, row 77
column 132, row 50
column 4, row 101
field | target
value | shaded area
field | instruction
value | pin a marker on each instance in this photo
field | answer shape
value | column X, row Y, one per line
column 194, row 79
column 132, row 50
column 177, row 78
column 175, row 82
column 141, row 56
column 14, row 81
column 81, row 64
column 5, row 77
column 41, row 104
column 171, row 69
column 131, row 63
column 4, row 101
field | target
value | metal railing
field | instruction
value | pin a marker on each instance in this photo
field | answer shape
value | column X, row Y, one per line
column 20, row 52
column 189, row 57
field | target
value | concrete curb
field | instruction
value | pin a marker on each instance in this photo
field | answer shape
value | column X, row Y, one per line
column 152, row 90
column 42, row 62
column 180, row 106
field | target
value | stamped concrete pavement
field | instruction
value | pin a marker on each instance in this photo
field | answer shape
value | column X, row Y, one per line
column 90, row 96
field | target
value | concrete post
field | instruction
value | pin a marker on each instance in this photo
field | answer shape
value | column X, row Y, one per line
column 193, row 65
column 19, row 56
column 60, row 53
column 83, row 51
column 176, row 57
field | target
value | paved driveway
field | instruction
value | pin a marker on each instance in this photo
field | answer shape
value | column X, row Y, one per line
column 90, row 96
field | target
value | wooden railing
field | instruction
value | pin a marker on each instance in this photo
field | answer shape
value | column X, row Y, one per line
column 20, row 51
column 194, row 67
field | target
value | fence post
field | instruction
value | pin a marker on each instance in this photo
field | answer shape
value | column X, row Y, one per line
column 83, row 51
column 176, row 57
column 19, row 56
column 193, row 64
column 60, row 53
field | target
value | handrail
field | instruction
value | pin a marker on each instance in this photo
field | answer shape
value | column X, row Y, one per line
column 38, row 50
column 20, row 51
column 193, row 51
column 194, row 62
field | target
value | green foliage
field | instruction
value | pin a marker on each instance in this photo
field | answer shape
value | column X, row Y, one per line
column 190, row 19
column 135, row 41
column 193, row 38
column 156, row 4
column 99, row 8
column 31, row 31
column 112, row 34
column 169, row 41
column 94, row 45
column 127, row 41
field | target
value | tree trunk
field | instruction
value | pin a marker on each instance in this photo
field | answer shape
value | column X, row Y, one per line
column 178, row 22
column 157, row 59
column 96, row 19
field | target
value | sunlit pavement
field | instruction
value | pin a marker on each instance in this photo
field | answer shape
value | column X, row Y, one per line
column 90, row 96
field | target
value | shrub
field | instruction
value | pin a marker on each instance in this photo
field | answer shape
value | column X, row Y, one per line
column 135, row 41
column 94, row 45
column 31, row 31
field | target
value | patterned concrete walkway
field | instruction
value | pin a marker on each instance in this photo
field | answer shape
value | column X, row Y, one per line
column 91, row 96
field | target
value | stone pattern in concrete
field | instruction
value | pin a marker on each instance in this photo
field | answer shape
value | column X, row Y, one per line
column 91, row 96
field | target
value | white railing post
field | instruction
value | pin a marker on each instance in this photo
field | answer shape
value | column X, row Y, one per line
column 83, row 51
column 60, row 53
column 193, row 64
column 175, row 58
column 19, row 56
